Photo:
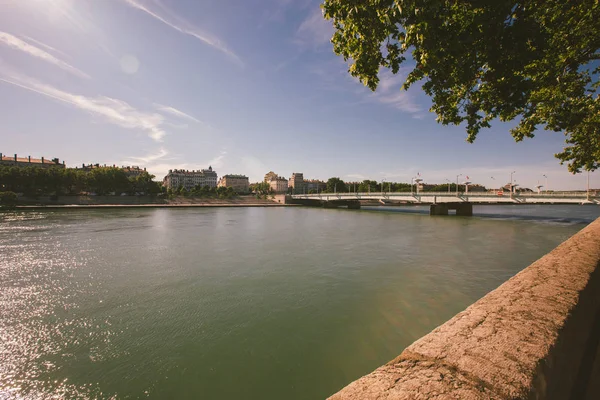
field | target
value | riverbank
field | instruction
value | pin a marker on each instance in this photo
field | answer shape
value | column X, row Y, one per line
column 77, row 202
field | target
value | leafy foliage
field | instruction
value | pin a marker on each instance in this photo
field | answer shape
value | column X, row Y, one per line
column 8, row 199
column 336, row 185
column 33, row 181
column 535, row 62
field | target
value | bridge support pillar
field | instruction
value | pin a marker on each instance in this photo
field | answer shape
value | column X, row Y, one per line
column 354, row 205
column 464, row 209
column 438, row 209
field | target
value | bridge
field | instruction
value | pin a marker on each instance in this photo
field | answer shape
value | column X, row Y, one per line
column 441, row 202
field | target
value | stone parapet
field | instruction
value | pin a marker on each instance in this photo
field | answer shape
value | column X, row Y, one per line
column 534, row 337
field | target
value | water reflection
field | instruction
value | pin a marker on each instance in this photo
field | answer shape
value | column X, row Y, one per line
column 237, row 303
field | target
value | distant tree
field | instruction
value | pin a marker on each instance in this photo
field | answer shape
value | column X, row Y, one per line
column 534, row 62
column 336, row 185
column 8, row 199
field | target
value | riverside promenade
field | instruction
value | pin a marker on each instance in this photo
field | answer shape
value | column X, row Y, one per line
column 536, row 336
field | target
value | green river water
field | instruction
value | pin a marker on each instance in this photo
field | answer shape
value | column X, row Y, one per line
column 242, row 303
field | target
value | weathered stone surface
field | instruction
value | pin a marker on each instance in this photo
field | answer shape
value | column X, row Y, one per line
column 526, row 339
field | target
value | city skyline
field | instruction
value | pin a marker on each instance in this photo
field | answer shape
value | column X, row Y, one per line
column 168, row 85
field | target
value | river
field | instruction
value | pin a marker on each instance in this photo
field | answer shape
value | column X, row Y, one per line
column 252, row 303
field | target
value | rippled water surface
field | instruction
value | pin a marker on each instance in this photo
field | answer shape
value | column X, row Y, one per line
column 242, row 303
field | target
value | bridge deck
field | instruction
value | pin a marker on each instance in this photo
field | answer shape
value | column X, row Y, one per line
column 443, row 197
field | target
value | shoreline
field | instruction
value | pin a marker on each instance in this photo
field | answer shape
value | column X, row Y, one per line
column 150, row 205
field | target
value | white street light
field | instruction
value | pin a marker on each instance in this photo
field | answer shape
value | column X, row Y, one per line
column 511, row 182
column 448, row 180
column 588, row 184
column 546, row 186
column 418, row 181
column 457, row 184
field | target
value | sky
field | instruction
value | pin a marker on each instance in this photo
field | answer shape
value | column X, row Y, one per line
column 246, row 86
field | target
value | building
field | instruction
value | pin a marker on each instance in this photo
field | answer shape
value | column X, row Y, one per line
column 279, row 184
column 315, row 186
column 15, row 161
column 239, row 183
column 133, row 171
column 296, row 182
column 130, row 171
column 190, row 179
column 269, row 176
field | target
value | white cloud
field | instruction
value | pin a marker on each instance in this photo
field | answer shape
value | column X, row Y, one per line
column 44, row 45
column 15, row 43
column 314, row 31
column 176, row 112
column 158, row 163
column 390, row 93
column 112, row 110
column 186, row 28
column 149, row 158
column 217, row 162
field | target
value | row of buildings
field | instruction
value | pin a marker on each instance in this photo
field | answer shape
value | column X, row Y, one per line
column 173, row 180
column 295, row 184
column 16, row 161
column 189, row 180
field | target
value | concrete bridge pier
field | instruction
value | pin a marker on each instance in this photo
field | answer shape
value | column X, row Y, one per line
column 438, row 209
column 351, row 204
column 462, row 209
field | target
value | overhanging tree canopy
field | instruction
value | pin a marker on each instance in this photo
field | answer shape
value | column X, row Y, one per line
column 533, row 61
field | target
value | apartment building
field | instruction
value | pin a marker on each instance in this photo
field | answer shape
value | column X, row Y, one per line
column 279, row 184
column 190, row 179
column 239, row 183
column 296, row 182
column 16, row 161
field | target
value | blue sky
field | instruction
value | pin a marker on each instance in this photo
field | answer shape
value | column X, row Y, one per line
column 247, row 86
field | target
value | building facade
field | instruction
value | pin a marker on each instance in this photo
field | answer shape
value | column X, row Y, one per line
column 296, row 182
column 270, row 175
column 239, row 183
column 315, row 186
column 190, row 179
column 15, row 161
column 279, row 184
column 133, row 171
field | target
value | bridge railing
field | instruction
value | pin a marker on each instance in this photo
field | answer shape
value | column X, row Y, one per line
column 574, row 195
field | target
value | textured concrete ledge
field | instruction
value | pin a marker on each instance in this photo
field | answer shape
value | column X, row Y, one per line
column 534, row 337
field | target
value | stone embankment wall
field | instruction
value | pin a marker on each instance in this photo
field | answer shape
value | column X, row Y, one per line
column 534, row 337
column 139, row 200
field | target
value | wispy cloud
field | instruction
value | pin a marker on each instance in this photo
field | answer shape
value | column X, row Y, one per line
column 315, row 31
column 18, row 44
column 176, row 112
column 148, row 158
column 390, row 93
column 186, row 28
column 160, row 162
column 217, row 162
column 117, row 112
column 44, row 45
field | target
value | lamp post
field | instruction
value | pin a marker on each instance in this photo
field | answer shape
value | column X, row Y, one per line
column 511, row 183
column 588, row 184
column 448, row 180
column 457, row 184
column 382, row 183
column 546, row 185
